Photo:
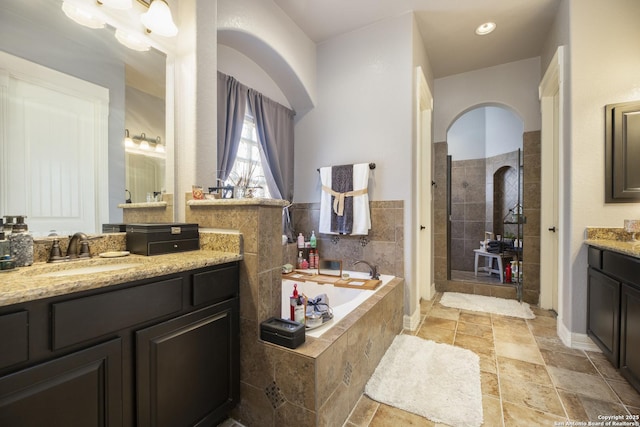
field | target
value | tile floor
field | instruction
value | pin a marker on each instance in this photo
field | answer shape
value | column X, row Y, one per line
column 529, row 378
column 469, row 276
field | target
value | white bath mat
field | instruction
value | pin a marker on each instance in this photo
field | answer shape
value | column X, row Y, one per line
column 437, row 381
column 505, row 307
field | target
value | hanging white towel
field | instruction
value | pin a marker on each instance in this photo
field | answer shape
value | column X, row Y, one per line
column 361, row 213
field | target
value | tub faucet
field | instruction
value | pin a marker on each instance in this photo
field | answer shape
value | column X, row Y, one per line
column 78, row 246
column 372, row 267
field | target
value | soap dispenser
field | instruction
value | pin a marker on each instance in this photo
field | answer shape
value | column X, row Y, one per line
column 21, row 243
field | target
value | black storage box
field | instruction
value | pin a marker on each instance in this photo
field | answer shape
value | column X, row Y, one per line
column 282, row 332
column 156, row 239
column 114, row 228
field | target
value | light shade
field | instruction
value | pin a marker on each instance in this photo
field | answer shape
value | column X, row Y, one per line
column 485, row 28
column 128, row 142
column 81, row 16
column 158, row 19
column 117, row 4
column 132, row 40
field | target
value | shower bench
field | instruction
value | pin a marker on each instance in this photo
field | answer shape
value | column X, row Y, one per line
column 488, row 267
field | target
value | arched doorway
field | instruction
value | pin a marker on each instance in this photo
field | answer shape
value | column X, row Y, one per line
column 484, row 145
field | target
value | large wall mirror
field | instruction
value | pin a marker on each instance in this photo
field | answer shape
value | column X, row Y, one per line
column 67, row 168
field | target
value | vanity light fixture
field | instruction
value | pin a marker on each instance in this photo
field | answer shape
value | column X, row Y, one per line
column 128, row 142
column 159, row 146
column 158, row 19
column 486, row 28
column 142, row 142
column 82, row 16
column 132, row 40
column 117, row 4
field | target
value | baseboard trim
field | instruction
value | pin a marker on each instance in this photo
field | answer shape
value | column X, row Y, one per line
column 575, row 340
column 412, row 322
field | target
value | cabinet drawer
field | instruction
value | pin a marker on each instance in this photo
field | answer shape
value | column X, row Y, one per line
column 14, row 336
column 595, row 257
column 621, row 266
column 89, row 317
column 215, row 286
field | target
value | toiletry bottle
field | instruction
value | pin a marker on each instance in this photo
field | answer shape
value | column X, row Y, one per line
column 293, row 302
column 507, row 274
column 299, row 311
column 312, row 239
column 21, row 243
column 300, row 259
column 305, row 264
column 300, row 241
column 312, row 258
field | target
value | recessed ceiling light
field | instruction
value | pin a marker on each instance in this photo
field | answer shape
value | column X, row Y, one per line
column 485, row 28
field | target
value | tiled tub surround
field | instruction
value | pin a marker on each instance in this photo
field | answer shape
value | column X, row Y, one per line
column 383, row 246
column 319, row 382
column 531, row 233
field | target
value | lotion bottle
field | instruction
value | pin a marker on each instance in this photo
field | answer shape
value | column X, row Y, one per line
column 300, row 241
column 312, row 240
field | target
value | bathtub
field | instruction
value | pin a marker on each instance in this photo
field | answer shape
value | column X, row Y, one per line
column 342, row 300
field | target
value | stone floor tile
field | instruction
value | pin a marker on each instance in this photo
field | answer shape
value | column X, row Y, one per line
column 569, row 361
column 593, row 386
column 584, row 409
column 531, row 395
column 489, row 383
column 525, row 352
column 627, row 394
column 521, row 371
column 387, row 416
column 440, row 335
column 519, row 416
column 482, row 331
column 364, row 411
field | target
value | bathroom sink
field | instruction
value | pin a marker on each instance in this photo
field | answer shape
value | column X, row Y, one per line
column 89, row 270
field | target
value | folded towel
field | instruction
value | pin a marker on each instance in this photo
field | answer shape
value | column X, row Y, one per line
column 344, row 202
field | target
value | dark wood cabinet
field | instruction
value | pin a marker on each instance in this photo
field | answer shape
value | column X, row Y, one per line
column 614, row 309
column 188, row 368
column 81, row 389
column 162, row 351
column 622, row 152
column 603, row 322
column 630, row 335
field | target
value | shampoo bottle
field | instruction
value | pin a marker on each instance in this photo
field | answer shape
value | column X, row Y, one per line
column 312, row 240
column 300, row 241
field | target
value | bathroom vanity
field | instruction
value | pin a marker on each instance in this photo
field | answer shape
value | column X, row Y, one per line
column 153, row 344
column 613, row 316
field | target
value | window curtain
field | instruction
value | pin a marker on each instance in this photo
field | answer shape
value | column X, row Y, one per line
column 274, row 126
column 232, row 104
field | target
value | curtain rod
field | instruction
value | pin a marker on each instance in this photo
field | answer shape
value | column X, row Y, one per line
column 372, row 166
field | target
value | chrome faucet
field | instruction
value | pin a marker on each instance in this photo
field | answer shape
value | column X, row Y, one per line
column 373, row 268
column 78, row 246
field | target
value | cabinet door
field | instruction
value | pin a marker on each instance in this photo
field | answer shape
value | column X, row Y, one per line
column 80, row 389
column 603, row 314
column 630, row 335
column 188, row 368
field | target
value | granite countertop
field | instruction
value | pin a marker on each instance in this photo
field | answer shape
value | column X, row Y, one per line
column 623, row 247
column 29, row 283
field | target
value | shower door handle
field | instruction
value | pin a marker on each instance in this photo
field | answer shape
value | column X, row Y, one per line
column 422, row 227
column 552, row 228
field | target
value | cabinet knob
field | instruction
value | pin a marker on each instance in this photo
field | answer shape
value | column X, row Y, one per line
column 552, row 228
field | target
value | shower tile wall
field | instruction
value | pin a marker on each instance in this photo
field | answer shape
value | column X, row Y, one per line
column 468, row 210
column 531, row 238
column 440, row 241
